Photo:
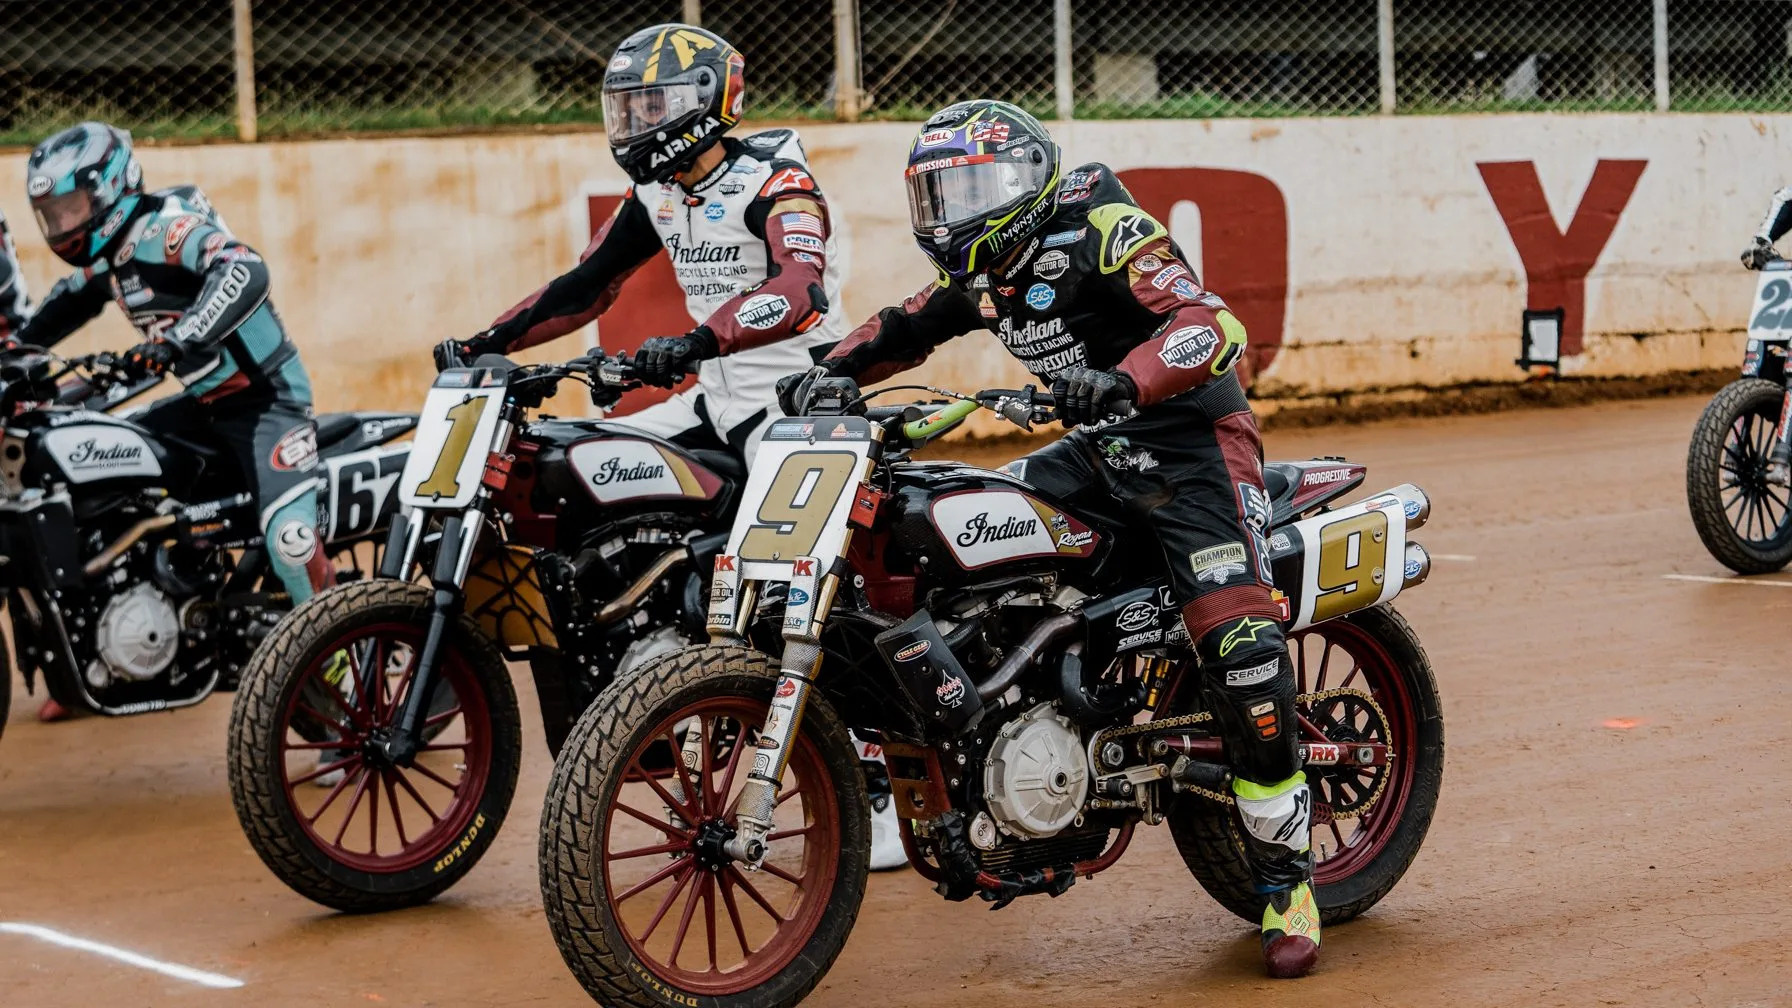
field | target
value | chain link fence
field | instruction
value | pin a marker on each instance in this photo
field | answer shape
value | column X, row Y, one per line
column 281, row 68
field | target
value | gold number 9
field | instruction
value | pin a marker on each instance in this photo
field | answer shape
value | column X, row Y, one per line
column 795, row 511
column 1352, row 552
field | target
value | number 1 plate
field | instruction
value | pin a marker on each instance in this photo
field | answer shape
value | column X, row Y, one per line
column 1771, row 318
column 454, row 436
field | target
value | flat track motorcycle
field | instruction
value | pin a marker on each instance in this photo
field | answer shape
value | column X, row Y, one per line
column 1737, row 478
column 1034, row 688
column 375, row 744
column 130, row 559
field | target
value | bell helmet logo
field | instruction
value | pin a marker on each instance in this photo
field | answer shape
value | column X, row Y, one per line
column 39, row 185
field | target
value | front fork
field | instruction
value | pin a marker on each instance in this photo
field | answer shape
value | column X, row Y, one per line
column 1779, row 457
column 801, row 663
column 454, row 556
column 447, row 576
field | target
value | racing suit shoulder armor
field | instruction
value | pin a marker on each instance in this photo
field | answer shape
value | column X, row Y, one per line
column 767, row 144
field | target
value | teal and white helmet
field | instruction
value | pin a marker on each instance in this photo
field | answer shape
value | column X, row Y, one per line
column 84, row 184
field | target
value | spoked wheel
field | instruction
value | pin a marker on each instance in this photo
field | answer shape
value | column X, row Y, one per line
column 1744, row 520
column 336, row 818
column 645, row 904
column 1365, row 682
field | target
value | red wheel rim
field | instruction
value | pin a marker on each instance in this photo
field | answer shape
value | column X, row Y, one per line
column 726, row 931
column 1340, row 655
column 378, row 817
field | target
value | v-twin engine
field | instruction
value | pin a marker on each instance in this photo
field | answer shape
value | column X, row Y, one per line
column 1036, row 777
column 136, row 636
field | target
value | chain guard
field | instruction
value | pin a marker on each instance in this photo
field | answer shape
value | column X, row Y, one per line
column 1306, row 699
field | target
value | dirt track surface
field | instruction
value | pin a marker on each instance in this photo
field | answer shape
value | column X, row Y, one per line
column 1570, row 863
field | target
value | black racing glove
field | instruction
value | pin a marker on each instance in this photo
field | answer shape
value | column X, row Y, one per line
column 1758, row 254
column 149, row 359
column 454, row 353
column 1088, row 396
column 794, row 390
column 663, row 360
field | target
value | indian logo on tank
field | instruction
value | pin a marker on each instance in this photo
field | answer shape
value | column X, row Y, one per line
column 101, row 451
column 620, row 469
column 983, row 527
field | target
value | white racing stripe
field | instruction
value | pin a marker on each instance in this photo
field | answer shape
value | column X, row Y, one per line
column 1734, row 579
column 126, row 956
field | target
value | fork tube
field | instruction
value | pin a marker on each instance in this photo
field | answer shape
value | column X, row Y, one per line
column 800, row 665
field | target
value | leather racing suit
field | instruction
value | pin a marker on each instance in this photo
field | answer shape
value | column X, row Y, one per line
column 180, row 276
column 753, row 246
column 1101, row 285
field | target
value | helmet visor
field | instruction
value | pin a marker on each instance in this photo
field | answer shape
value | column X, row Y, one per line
column 62, row 216
column 632, row 113
column 954, row 190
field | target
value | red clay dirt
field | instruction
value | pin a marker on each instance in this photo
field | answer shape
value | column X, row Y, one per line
column 1571, row 862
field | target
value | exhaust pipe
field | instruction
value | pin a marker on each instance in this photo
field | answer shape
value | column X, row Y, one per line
column 1418, row 566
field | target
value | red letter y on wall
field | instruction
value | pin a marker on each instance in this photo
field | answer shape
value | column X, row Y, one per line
column 1556, row 263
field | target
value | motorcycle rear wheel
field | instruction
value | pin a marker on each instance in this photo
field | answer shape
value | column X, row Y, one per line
column 293, row 725
column 1353, row 871
column 1745, row 522
column 704, row 930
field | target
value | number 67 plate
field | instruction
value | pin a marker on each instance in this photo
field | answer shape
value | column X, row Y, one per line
column 1771, row 318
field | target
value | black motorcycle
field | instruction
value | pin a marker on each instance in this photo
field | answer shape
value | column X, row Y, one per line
column 375, row 744
column 130, row 559
column 1031, row 681
column 1738, row 482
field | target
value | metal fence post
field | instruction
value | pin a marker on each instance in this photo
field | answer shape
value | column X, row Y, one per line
column 1061, row 80
column 245, row 71
column 693, row 12
column 1384, row 51
column 1661, row 55
column 846, row 60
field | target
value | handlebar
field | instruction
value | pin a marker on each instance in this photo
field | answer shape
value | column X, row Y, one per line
column 1020, row 407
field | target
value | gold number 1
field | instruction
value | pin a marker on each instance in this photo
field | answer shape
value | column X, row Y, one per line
column 463, row 417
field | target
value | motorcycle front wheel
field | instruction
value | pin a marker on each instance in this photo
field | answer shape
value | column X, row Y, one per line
column 328, row 812
column 1745, row 521
column 645, row 906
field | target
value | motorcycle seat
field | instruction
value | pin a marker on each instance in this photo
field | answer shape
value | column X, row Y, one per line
column 335, row 428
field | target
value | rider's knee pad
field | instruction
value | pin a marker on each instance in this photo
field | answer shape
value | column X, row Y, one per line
column 1249, row 681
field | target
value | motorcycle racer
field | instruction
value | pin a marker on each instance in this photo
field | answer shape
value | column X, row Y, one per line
column 1760, row 251
column 199, row 298
column 1090, row 293
column 751, row 240
column 743, row 221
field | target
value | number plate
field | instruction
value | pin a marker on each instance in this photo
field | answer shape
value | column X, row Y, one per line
column 799, row 495
column 1771, row 318
column 454, row 436
column 1354, row 559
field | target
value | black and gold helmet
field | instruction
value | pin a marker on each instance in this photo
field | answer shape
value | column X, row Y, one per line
column 670, row 93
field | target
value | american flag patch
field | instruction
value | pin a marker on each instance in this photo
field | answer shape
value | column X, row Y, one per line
column 807, row 222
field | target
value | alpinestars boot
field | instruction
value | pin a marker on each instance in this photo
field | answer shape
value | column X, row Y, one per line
column 1277, row 827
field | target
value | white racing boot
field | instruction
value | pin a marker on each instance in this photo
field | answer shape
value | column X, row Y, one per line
column 886, row 836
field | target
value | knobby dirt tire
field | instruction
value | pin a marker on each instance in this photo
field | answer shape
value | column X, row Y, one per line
column 256, row 762
column 1208, row 836
column 586, row 779
column 1704, row 495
